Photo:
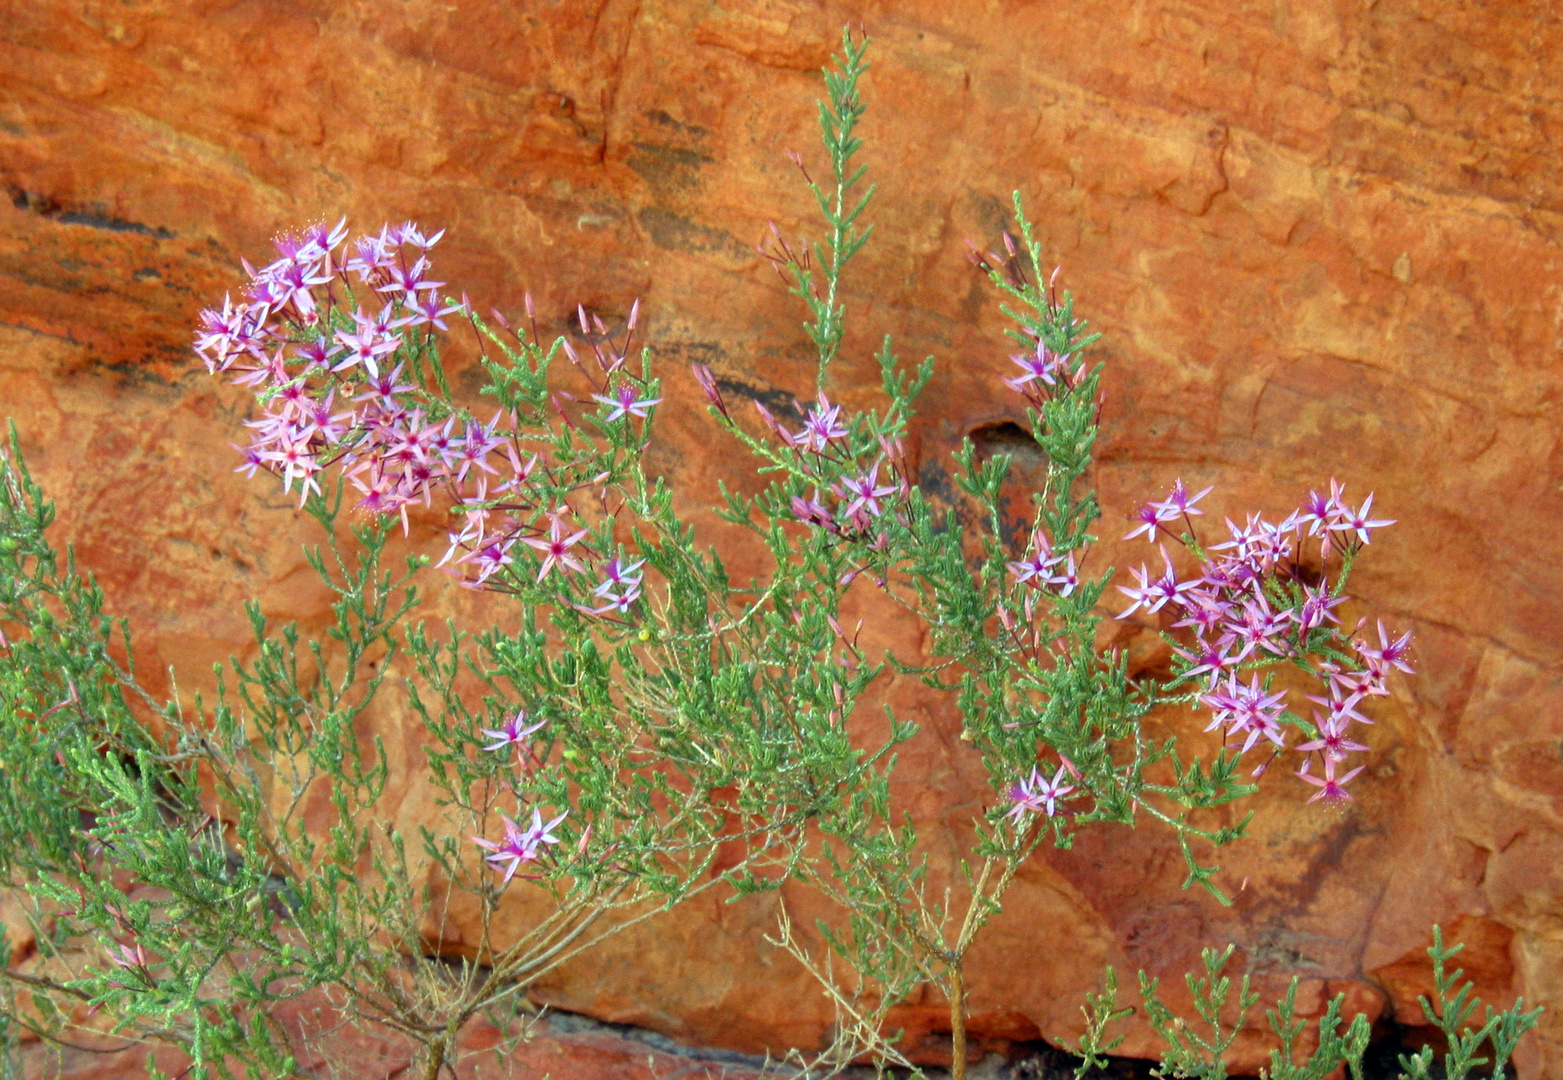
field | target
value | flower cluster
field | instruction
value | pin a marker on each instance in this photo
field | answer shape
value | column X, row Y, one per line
column 822, row 448
column 329, row 371
column 341, row 382
column 1255, row 600
column 520, row 846
column 1260, row 544
column 619, row 588
column 501, row 514
column 861, row 495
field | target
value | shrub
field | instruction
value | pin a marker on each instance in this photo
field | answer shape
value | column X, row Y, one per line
column 193, row 863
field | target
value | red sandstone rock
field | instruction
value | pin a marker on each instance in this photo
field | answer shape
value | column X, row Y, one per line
column 1321, row 239
column 561, row 1050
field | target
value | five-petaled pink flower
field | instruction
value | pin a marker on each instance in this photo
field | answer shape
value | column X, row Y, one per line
column 1038, row 565
column 1332, row 741
column 430, row 310
column 514, row 732
column 1212, row 661
column 1314, row 513
column 621, row 576
column 1317, row 607
column 1154, row 595
column 1150, row 519
column 624, row 403
column 1041, row 367
column 365, row 347
column 865, row 492
column 1343, row 709
column 821, row 427
column 1331, row 790
column 556, row 548
column 1348, row 520
column 1179, row 502
column 520, row 846
column 1389, row 653
column 1036, row 795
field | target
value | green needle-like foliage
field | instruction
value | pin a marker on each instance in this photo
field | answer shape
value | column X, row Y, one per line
column 1192, row 1053
column 1454, row 1008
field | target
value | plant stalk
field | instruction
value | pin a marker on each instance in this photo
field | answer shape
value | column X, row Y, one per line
column 957, row 1019
column 436, row 1059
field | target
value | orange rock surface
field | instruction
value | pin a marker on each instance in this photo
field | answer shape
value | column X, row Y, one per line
column 1322, row 239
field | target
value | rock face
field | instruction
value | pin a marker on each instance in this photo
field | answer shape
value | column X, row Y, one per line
column 1321, row 239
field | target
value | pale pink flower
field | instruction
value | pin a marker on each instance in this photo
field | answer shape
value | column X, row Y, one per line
column 865, row 492
column 821, row 427
column 1388, row 654
column 1330, row 790
column 624, row 403
column 1036, row 795
column 1349, row 521
column 1179, row 502
column 1038, row 565
column 556, row 548
column 1332, row 741
column 520, row 846
column 513, row 733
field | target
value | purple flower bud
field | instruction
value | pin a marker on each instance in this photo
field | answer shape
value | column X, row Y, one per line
column 707, row 383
